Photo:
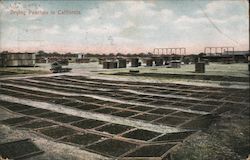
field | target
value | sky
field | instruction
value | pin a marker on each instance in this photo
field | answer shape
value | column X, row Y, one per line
column 124, row 26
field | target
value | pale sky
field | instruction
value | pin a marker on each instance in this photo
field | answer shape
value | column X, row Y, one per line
column 131, row 26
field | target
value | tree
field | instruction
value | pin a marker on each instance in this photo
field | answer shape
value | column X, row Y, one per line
column 41, row 53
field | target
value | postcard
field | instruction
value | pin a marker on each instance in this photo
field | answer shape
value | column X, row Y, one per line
column 124, row 79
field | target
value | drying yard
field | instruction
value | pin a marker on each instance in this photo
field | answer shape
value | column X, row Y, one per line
column 80, row 117
column 103, row 118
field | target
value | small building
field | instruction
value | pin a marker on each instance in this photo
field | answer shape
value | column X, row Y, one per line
column 149, row 62
column 109, row 64
column 8, row 59
column 175, row 64
column 122, row 63
column 134, row 62
column 200, row 67
column 159, row 61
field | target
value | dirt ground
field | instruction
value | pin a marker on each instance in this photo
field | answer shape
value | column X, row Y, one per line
column 91, row 113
